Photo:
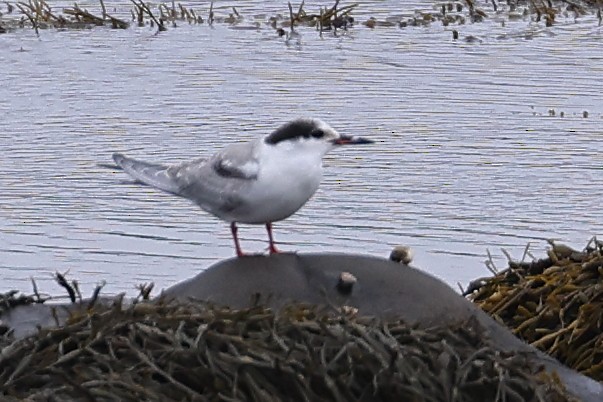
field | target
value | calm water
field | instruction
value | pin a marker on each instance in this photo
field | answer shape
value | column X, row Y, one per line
column 468, row 158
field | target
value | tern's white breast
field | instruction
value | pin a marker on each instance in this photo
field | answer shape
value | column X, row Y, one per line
column 287, row 179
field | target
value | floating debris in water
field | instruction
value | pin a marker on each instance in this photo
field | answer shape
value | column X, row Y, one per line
column 40, row 15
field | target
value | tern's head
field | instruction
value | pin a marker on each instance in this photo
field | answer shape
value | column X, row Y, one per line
column 311, row 134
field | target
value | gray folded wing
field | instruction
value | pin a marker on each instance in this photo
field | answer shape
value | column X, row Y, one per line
column 218, row 185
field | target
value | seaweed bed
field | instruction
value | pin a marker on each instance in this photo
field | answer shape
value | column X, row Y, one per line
column 38, row 14
column 554, row 303
column 170, row 350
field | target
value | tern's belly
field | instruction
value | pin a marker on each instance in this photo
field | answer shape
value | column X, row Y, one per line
column 276, row 199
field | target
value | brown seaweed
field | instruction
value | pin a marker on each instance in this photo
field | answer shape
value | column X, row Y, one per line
column 39, row 15
column 554, row 303
column 192, row 351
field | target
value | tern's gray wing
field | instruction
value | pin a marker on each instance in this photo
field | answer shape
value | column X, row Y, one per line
column 218, row 184
column 237, row 161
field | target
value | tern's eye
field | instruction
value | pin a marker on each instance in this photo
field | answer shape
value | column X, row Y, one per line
column 317, row 133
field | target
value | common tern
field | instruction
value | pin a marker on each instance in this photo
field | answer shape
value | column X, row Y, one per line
column 257, row 182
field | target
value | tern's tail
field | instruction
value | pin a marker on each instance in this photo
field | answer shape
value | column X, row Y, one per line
column 148, row 173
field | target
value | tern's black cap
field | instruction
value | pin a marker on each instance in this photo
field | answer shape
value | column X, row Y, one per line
column 300, row 128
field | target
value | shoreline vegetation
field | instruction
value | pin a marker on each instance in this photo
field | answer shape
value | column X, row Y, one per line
column 554, row 303
column 39, row 15
column 171, row 350
column 192, row 350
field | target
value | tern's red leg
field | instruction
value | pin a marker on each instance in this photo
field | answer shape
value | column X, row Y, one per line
column 234, row 230
column 271, row 246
